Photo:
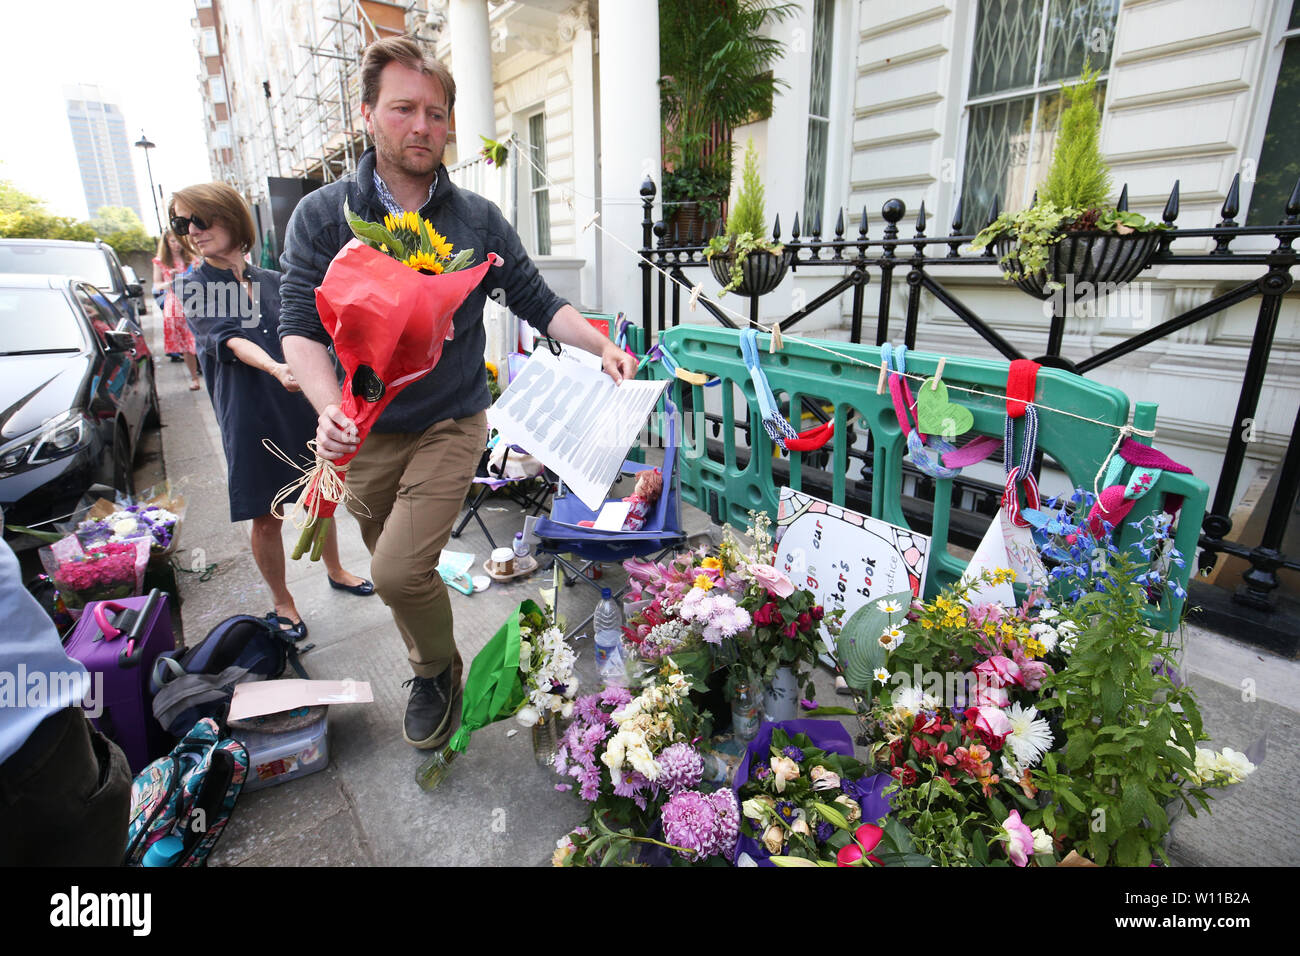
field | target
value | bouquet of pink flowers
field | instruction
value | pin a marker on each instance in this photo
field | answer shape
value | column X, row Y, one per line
column 105, row 572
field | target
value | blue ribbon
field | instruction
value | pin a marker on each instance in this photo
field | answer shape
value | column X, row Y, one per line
column 774, row 423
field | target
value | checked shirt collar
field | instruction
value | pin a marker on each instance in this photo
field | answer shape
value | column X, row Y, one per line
column 392, row 205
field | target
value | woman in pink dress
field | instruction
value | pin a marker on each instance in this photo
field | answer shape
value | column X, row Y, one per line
column 173, row 258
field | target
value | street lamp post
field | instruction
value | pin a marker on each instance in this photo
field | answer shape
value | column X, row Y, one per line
column 144, row 143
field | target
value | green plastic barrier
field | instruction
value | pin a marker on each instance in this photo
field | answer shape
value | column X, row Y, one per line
column 801, row 370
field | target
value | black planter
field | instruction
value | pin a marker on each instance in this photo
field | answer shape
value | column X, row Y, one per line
column 762, row 271
column 1086, row 264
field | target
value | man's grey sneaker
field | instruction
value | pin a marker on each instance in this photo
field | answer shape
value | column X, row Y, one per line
column 430, row 709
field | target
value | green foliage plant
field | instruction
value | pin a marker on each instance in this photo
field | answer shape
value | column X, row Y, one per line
column 715, row 65
column 745, row 225
column 1073, row 197
column 1131, row 731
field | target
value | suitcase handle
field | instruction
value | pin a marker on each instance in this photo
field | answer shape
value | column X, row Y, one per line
column 134, row 650
column 100, row 612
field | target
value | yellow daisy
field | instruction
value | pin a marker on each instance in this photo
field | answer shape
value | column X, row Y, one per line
column 704, row 582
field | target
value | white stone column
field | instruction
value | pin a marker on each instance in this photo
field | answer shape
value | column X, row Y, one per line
column 471, row 65
column 629, row 140
column 586, row 178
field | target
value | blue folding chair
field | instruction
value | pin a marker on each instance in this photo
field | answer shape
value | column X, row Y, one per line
column 561, row 534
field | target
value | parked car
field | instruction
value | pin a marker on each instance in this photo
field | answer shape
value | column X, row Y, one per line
column 94, row 262
column 77, row 389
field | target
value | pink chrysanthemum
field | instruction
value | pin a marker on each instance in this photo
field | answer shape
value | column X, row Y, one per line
column 680, row 768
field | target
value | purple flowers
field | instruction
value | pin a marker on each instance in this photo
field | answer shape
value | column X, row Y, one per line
column 703, row 824
column 794, row 753
column 681, row 768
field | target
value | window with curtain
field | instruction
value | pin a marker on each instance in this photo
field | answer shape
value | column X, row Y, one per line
column 819, row 109
column 1023, row 51
column 1279, row 158
column 541, row 196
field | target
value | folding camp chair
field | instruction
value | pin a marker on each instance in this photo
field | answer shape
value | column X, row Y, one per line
column 531, row 490
column 561, row 534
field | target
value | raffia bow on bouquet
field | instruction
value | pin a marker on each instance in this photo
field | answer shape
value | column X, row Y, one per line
column 387, row 301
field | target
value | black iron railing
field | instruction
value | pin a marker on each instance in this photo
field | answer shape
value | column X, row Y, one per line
column 858, row 255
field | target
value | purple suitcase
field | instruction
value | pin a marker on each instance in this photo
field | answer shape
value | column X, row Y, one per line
column 120, row 640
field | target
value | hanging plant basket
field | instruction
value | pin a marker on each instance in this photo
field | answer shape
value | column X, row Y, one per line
column 1087, row 264
column 763, row 271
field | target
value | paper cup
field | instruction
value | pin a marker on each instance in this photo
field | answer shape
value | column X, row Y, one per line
column 504, row 560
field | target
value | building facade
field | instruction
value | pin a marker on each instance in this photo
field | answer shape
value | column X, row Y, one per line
column 949, row 103
column 103, row 151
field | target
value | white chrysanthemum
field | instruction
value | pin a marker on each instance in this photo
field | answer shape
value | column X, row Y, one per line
column 1030, row 736
column 528, row 716
column 1045, row 634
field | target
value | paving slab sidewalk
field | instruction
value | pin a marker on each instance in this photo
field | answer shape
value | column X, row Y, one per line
column 498, row 807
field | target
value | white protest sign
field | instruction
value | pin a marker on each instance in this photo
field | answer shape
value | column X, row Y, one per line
column 846, row 558
column 574, row 420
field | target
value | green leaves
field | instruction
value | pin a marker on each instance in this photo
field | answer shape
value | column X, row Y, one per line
column 373, row 234
column 858, row 648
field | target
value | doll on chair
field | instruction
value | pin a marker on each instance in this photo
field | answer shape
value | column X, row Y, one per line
column 645, row 495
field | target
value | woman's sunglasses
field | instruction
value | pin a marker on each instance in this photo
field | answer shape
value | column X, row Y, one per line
column 181, row 224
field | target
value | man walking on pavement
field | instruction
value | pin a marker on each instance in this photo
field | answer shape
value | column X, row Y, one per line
column 414, row 470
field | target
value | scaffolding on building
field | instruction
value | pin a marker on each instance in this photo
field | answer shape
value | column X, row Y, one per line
column 313, row 129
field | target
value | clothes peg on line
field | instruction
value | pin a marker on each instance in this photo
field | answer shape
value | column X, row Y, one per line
column 938, row 373
column 776, row 343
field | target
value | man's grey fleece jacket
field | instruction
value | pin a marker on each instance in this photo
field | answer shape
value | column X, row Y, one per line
column 457, row 387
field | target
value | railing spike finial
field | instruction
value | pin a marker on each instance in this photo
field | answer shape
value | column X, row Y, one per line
column 893, row 210
column 1293, row 205
column 776, row 229
column 994, row 211
column 920, row 220
column 648, row 188
column 1171, row 205
column 1121, row 204
column 1034, row 201
column 956, row 218
column 1231, row 203
column 794, row 230
column 839, row 224
column 817, row 225
column 862, row 226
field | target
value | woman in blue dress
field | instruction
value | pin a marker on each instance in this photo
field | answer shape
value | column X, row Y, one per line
column 234, row 310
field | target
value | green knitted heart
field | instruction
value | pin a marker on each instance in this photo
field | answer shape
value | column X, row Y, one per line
column 935, row 415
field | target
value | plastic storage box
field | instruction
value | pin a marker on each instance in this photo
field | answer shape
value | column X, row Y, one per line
column 279, row 757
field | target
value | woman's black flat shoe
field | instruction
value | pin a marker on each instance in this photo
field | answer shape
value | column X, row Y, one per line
column 364, row 588
column 294, row 632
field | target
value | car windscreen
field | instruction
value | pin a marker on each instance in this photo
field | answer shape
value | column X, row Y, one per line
column 38, row 320
column 81, row 262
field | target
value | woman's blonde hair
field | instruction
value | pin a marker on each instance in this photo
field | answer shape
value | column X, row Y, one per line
column 218, row 202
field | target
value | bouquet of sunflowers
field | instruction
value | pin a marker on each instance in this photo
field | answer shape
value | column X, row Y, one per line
column 387, row 300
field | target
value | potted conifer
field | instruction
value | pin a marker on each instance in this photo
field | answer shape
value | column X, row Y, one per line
column 743, row 259
column 1071, row 238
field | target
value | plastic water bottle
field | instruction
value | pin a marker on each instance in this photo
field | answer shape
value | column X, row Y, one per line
column 608, row 623
column 521, row 546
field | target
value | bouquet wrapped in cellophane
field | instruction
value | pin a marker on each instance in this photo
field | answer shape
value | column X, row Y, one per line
column 387, row 301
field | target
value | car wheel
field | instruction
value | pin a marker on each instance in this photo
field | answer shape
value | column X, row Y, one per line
column 123, row 470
